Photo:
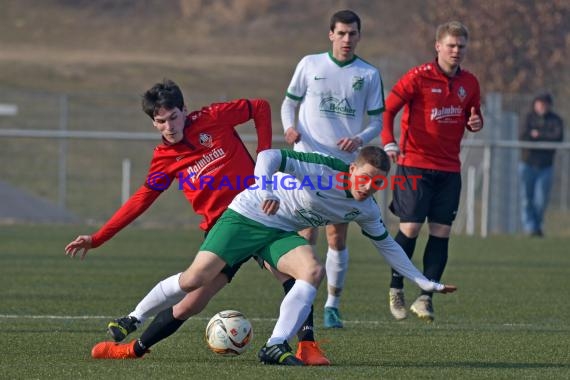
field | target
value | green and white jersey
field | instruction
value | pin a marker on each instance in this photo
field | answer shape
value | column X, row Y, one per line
column 313, row 191
column 335, row 98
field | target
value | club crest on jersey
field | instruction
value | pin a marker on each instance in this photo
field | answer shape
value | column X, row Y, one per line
column 357, row 83
column 461, row 93
column 206, row 140
column 351, row 215
column 314, row 219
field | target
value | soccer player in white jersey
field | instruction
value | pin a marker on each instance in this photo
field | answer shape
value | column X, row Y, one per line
column 293, row 191
column 334, row 92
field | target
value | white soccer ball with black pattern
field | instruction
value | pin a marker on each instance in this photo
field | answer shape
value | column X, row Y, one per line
column 229, row 333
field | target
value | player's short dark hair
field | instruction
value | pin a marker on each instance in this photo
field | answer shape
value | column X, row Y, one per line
column 345, row 17
column 375, row 156
column 165, row 95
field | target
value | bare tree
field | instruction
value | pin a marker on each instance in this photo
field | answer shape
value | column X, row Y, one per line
column 516, row 45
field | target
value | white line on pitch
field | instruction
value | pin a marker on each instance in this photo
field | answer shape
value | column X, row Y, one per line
column 354, row 322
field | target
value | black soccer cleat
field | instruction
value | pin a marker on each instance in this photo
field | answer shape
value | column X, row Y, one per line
column 119, row 328
column 280, row 354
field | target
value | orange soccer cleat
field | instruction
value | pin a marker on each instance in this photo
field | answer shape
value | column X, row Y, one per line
column 311, row 354
column 112, row 350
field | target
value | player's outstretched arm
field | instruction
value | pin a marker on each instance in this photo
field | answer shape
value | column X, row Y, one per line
column 398, row 260
column 82, row 243
column 135, row 206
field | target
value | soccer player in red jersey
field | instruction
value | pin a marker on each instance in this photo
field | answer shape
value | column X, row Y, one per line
column 203, row 152
column 440, row 101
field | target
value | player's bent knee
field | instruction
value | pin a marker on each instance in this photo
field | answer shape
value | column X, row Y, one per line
column 315, row 275
column 439, row 230
column 411, row 230
column 190, row 281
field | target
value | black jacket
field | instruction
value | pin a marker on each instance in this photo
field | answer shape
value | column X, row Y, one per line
column 550, row 128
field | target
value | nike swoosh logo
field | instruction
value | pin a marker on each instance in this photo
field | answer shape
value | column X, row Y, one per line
column 321, row 195
column 320, row 78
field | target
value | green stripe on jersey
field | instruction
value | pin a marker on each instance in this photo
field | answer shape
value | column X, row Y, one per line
column 339, row 63
column 376, row 112
column 313, row 158
column 294, row 97
column 377, row 238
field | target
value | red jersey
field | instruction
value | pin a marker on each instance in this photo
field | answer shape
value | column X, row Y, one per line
column 436, row 110
column 211, row 165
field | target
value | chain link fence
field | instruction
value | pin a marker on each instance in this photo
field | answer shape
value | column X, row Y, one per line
column 64, row 154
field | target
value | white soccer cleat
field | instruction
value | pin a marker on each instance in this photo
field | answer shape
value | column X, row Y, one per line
column 423, row 308
column 397, row 304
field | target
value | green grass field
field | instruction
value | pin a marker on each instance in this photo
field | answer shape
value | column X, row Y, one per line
column 509, row 318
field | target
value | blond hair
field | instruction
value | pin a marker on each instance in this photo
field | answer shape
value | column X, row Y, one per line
column 451, row 28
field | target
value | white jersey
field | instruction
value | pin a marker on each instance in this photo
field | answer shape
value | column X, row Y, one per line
column 312, row 194
column 334, row 99
column 313, row 191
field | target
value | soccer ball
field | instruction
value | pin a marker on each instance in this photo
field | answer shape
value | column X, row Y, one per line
column 229, row 333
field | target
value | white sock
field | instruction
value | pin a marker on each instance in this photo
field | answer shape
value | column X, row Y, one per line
column 336, row 266
column 165, row 294
column 332, row 301
column 295, row 308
